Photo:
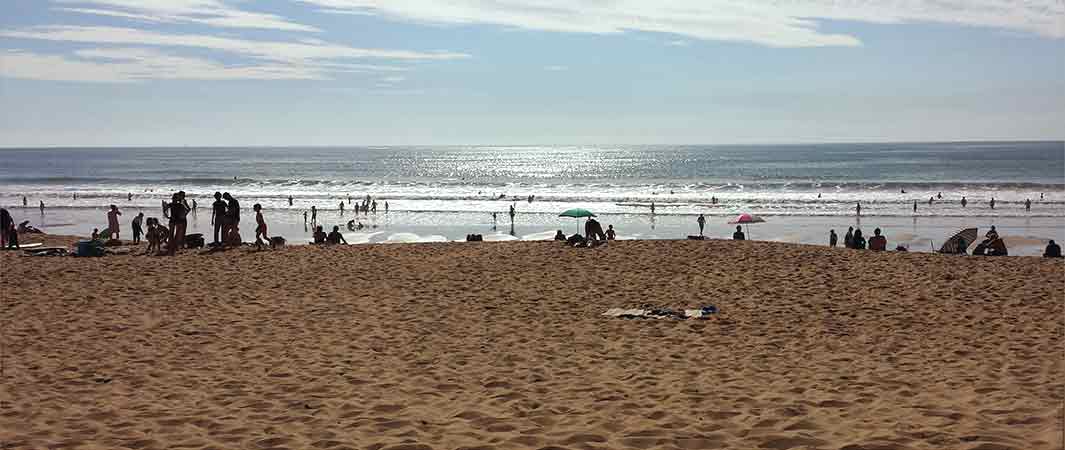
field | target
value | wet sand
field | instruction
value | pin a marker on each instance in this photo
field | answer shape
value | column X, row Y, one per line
column 502, row 346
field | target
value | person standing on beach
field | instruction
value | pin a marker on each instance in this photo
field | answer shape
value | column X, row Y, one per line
column 992, row 203
column 260, row 227
column 848, row 239
column 964, row 201
column 915, row 206
column 232, row 214
column 290, row 202
column 512, row 214
column 702, row 223
column 129, row 197
column 373, row 206
column 42, row 206
column 112, row 221
column 341, row 208
column 1028, row 205
column 178, row 223
column 24, row 202
column 6, row 224
column 218, row 217
column 832, row 238
column 314, row 214
column 305, row 219
column 652, row 208
column 858, row 208
column 136, row 227
column 386, row 207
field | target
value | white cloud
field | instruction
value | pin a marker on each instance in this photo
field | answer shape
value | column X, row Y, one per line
column 780, row 23
column 120, row 65
column 306, row 59
column 302, row 52
column 207, row 12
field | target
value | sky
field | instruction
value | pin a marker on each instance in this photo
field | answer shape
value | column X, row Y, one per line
column 485, row 72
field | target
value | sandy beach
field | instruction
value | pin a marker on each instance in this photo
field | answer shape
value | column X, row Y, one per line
column 502, row 345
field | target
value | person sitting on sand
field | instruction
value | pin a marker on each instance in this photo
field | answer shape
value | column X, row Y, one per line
column 319, row 235
column 738, row 235
column 335, row 238
column 610, row 232
column 560, row 236
column 992, row 234
column 832, row 238
column 1053, row 250
column 112, row 221
column 877, row 243
column 997, row 247
column 858, row 241
column 260, row 226
column 351, row 225
column 95, row 236
column 848, row 239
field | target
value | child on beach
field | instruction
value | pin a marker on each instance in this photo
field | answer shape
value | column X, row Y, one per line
column 95, row 234
column 260, row 226
column 152, row 236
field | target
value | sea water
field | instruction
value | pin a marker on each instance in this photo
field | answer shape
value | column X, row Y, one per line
column 445, row 193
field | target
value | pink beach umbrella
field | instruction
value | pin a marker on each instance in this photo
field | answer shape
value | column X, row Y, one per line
column 746, row 219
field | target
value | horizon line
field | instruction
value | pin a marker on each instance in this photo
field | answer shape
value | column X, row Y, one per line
column 171, row 146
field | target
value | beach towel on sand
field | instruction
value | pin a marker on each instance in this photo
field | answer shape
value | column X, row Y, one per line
column 661, row 313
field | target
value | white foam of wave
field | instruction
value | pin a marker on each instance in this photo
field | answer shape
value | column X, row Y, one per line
column 499, row 237
column 360, row 238
column 399, row 238
column 541, row 236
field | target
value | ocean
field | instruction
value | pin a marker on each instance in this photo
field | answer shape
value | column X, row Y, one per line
column 444, row 193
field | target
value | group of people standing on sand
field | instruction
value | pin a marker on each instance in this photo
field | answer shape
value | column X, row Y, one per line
column 225, row 218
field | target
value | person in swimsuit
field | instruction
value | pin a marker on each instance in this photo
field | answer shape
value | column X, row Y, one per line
column 260, row 227
column 136, row 226
column 610, row 232
column 702, row 223
column 232, row 213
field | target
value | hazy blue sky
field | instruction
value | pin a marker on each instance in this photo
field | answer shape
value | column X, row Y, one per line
column 348, row 72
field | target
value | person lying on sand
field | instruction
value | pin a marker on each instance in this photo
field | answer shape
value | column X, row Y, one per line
column 25, row 227
column 335, row 237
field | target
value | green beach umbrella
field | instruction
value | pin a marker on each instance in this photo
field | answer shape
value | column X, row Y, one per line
column 577, row 213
